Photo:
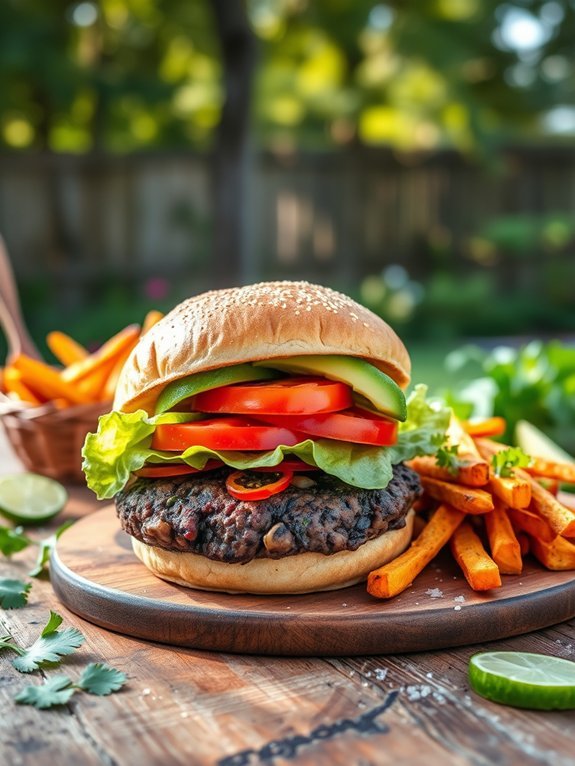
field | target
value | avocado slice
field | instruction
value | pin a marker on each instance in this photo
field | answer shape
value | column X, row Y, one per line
column 365, row 379
column 183, row 388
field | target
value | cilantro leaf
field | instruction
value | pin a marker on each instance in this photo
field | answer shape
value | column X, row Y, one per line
column 504, row 461
column 447, row 457
column 13, row 593
column 50, row 647
column 12, row 540
column 55, row 691
column 101, row 679
column 53, row 623
column 46, row 547
column 7, row 642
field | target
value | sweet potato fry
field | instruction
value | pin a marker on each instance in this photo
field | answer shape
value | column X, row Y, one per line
column 46, row 380
column 150, row 320
column 548, row 469
column 494, row 426
column 551, row 485
column 65, row 348
column 395, row 577
column 524, row 544
column 92, row 386
column 109, row 388
column 504, row 546
column 465, row 499
column 15, row 387
column 524, row 520
column 106, row 354
column 513, row 490
column 456, row 434
column 560, row 518
column 472, row 473
column 558, row 555
column 480, row 571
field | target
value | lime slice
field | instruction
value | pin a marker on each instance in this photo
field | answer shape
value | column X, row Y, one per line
column 535, row 442
column 28, row 498
column 524, row 679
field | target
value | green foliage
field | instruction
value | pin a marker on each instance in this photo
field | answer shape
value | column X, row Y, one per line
column 535, row 381
column 122, row 75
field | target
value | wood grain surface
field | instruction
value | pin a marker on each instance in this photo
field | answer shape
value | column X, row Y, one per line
column 97, row 576
column 185, row 706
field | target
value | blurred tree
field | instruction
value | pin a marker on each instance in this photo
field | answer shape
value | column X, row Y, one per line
column 231, row 149
column 122, row 75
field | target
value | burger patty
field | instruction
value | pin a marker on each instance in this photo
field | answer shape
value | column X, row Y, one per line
column 196, row 514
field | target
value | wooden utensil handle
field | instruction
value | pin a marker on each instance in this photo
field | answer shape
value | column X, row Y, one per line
column 11, row 319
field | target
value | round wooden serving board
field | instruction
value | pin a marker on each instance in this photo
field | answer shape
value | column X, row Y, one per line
column 95, row 574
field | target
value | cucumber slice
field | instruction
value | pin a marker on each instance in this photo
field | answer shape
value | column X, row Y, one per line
column 365, row 379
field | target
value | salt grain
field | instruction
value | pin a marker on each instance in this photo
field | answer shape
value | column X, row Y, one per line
column 381, row 673
column 434, row 593
column 418, row 692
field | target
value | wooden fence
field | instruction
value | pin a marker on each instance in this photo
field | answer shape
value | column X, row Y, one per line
column 328, row 217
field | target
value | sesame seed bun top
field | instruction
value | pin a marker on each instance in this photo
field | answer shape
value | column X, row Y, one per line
column 262, row 321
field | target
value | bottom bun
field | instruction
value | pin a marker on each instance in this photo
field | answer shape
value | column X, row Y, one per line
column 301, row 573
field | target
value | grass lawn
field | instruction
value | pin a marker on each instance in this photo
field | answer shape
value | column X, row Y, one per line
column 427, row 358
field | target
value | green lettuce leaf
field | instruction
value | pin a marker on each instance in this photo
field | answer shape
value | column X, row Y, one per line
column 122, row 445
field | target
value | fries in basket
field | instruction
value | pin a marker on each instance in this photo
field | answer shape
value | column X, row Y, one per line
column 496, row 505
column 84, row 378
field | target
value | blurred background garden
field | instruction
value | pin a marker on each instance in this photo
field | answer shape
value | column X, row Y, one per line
column 420, row 157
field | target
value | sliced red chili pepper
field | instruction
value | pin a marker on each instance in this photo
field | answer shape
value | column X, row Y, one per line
column 174, row 469
column 254, row 485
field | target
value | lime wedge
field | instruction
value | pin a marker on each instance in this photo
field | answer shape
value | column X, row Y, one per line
column 534, row 442
column 524, row 679
column 28, row 498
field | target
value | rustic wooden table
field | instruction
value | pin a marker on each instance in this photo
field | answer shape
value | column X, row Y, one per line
column 188, row 707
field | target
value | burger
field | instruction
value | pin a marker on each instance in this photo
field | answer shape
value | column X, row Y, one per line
column 258, row 439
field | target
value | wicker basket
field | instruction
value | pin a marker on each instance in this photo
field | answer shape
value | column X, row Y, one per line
column 49, row 440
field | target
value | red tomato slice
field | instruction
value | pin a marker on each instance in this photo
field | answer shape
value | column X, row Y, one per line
column 223, row 434
column 290, row 396
column 252, row 485
column 353, row 425
column 174, row 469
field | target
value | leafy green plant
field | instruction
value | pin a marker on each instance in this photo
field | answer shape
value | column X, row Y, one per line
column 535, row 381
